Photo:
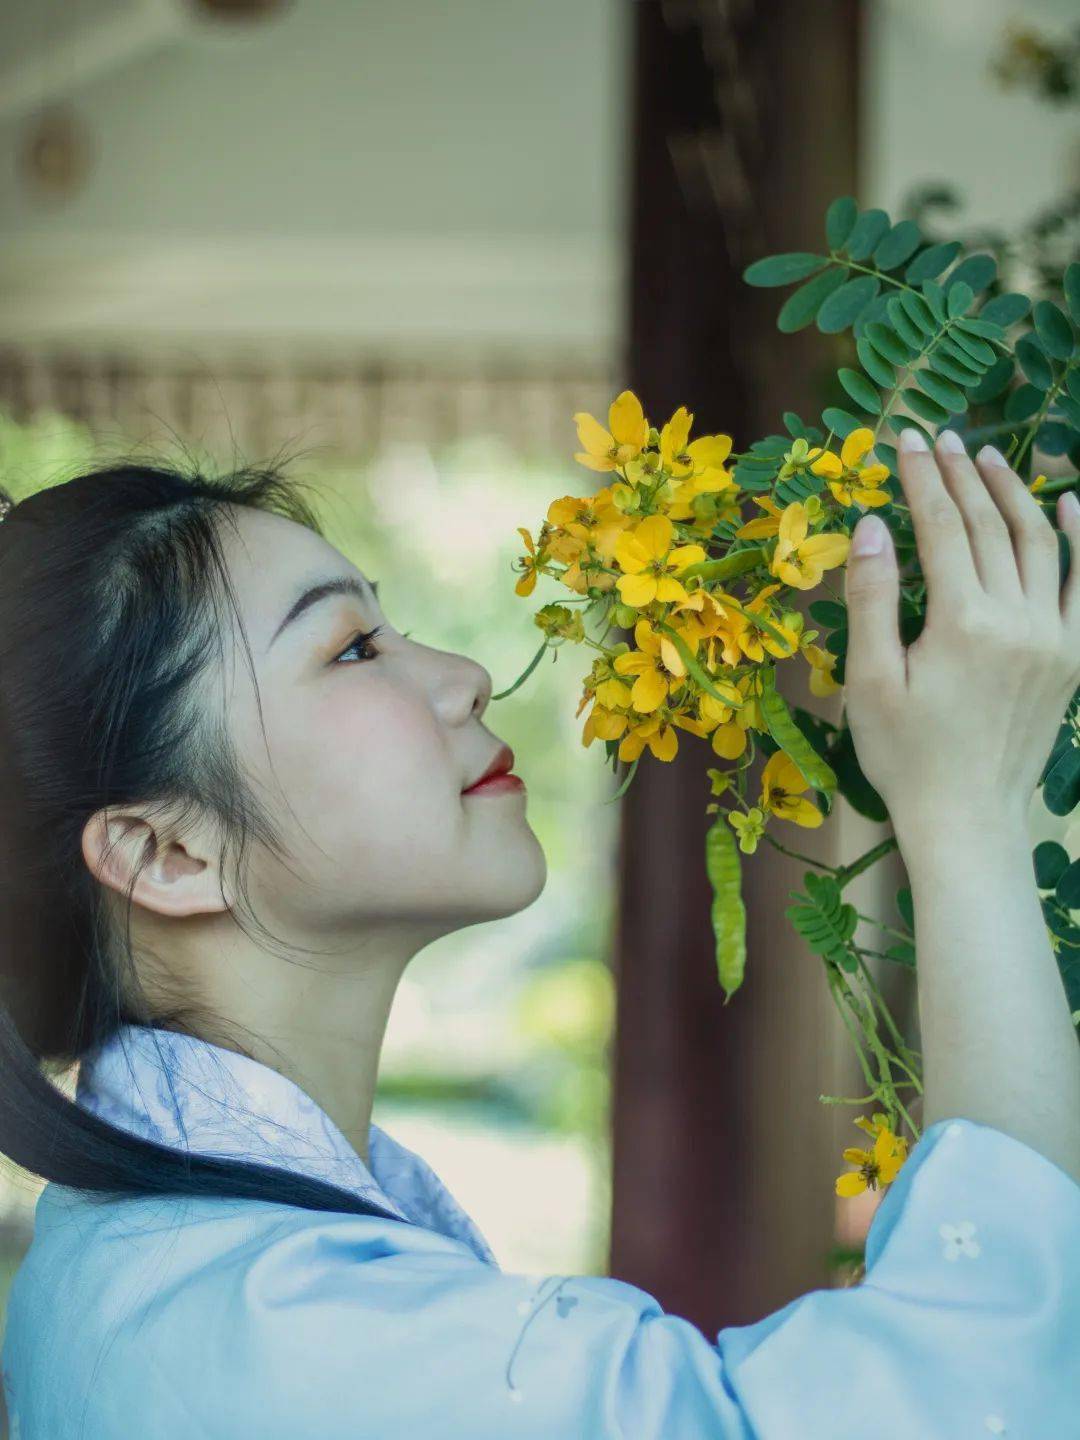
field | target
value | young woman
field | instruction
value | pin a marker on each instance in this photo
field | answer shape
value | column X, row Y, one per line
column 237, row 801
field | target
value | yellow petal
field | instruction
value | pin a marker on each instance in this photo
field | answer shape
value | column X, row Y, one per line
column 627, row 421
column 793, row 523
column 650, row 690
column 825, row 551
column 668, row 588
column 595, row 462
column 684, row 555
column 654, row 535
column 665, row 744
column 855, row 1156
column 850, row 1185
column 527, row 584
column 637, row 590
column 805, row 813
column 828, row 465
column 856, row 445
column 630, row 555
column 594, row 438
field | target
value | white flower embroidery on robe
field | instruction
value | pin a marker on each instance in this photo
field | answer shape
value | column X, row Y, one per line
column 959, row 1240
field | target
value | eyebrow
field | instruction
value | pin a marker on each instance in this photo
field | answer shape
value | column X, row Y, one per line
column 338, row 585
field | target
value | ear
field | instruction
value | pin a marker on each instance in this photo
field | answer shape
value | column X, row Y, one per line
column 180, row 878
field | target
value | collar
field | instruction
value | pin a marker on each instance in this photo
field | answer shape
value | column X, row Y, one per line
column 193, row 1095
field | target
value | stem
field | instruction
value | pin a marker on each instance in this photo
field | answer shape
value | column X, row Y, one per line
column 871, row 857
column 806, row 859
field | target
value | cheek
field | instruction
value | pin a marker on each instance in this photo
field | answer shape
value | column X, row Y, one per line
column 371, row 773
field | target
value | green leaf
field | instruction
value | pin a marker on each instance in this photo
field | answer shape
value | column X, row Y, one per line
column 825, row 920
column 1051, row 861
column 842, row 421
column 794, row 425
column 935, row 298
column 840, row 220
column 887, row 455
column 978, row 350
column 783, row 269
column 860, row 390
column 978, row 271
column 977, row 325
column 942, row 390
column 896, row 423
column 1006, row 309
column 850, row 779
column 1053, row 329
column 830, row 613
column 1067, row 892
column 899, row 245
column 802, row 305
column 931, row 262
column 868, row 230
column 789, row 737
column 922, row 405
column 947, row 346
column 844, row 305
column 1033, row 362
column 1070, row 409
column 909, row 333
column 1023, row 402
column 888, row 343
column 995, row 382
column 1071, row 286
column 875, row 365
column 944, row 364
column 958, row 299
column 1054, row 438
column 1061, row 788
column 905, row 907
column 918, row 312
column 724, row 870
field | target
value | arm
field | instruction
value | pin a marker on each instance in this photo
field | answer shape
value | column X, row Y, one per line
column 998, row 1042
column 954, row 732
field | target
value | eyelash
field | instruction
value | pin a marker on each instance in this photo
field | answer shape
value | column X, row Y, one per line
column 363, row 638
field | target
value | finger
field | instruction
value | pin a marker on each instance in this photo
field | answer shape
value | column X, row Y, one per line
column 875, row 654
column 940, row 533
column 990, row 537
column 1033, row 538
column 1068, row 511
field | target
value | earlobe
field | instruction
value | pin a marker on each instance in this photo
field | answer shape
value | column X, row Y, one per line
column 124, row 852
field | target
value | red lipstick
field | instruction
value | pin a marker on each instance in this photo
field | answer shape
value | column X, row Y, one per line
column 497, row 778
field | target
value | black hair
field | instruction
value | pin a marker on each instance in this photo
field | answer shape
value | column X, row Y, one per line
column 111, row 591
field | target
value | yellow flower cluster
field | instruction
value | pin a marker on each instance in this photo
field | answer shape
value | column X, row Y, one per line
column 641, row 549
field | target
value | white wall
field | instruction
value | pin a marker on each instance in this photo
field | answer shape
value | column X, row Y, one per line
column 933, row 112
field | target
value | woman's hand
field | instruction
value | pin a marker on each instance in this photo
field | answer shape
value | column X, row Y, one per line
column 967, row 715
column 954, row 732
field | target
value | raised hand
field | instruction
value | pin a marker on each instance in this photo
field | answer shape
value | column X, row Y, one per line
column 967, row 715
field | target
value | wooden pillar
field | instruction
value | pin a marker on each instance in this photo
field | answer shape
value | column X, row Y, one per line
column 744, row 128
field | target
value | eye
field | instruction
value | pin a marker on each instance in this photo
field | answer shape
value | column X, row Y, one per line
column 361, row 642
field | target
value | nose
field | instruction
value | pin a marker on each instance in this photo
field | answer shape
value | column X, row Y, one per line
column 463, row 690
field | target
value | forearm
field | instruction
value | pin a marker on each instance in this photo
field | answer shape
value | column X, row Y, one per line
column 998, row 1041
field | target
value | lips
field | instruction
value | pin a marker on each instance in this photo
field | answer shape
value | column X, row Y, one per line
column 502, row 764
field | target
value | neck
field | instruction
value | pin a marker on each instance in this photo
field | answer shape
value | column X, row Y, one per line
column 319, row 1020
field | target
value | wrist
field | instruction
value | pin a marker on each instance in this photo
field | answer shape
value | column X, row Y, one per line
column 992, row 825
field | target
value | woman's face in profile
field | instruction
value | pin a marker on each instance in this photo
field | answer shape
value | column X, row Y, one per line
column 368, row 747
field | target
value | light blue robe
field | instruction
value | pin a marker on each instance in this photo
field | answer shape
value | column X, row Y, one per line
column 174, row 1319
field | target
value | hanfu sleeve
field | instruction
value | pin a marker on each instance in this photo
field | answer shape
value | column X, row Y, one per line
column 966, row 1325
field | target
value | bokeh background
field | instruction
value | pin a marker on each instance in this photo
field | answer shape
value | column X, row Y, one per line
column 401, row 242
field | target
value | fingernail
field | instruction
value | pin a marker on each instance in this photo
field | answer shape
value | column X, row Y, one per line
column 950, row 442
column 991, row 456
column 911, row 439
column 869, row 535
column 1071, row 503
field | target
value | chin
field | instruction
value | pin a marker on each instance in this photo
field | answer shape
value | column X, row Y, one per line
column 515, row 878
